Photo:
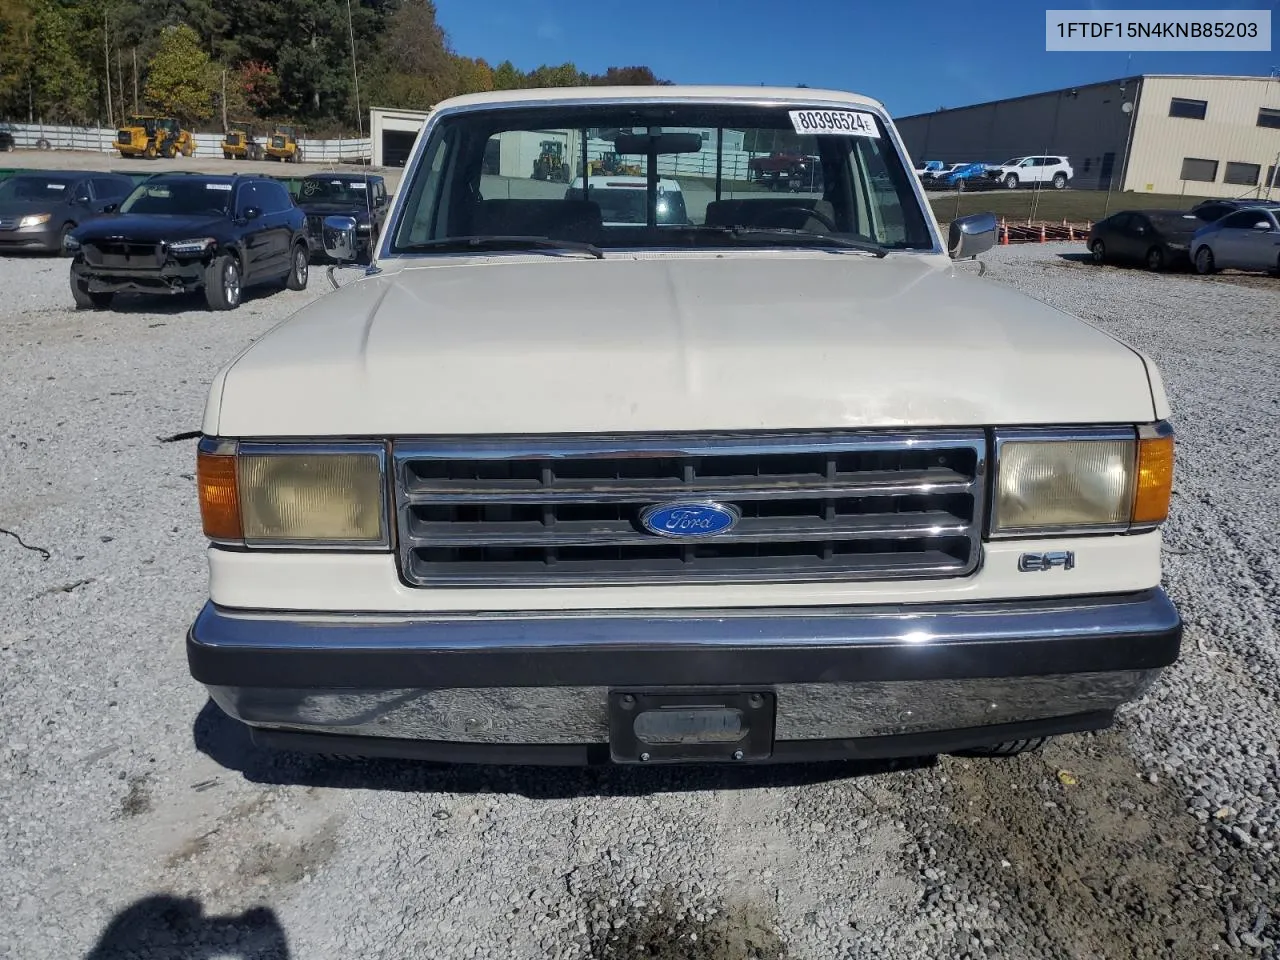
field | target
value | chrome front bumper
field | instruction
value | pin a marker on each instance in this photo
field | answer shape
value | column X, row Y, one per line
column 839, row 674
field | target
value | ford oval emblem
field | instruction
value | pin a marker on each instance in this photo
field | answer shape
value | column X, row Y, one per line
column 696, row 518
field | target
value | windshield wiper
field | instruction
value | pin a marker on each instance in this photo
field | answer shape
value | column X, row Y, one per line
column 502, row 242
column 801, row 238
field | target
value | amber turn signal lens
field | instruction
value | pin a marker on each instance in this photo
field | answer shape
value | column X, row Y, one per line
column 1155, row 479
column 219, row 498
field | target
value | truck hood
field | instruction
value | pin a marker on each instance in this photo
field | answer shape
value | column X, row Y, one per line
column 150, row 227
column 550, row 344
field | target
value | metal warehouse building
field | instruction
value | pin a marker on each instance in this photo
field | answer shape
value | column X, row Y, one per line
column 1194, row 135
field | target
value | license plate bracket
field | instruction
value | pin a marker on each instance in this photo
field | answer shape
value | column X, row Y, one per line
column 705, row 726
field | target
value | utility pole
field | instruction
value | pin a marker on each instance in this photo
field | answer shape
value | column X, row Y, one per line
column 106, row 68
column 355, row 73
column 224, row 101
column 135, row 79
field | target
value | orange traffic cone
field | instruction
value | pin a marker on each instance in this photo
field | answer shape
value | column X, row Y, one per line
column 1004, row 232
column 1042, row 233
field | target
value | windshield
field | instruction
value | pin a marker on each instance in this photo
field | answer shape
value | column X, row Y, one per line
column 661, row 175
column 180, row 198
column 1175, row 222
column 34, row 190
column 333, row 190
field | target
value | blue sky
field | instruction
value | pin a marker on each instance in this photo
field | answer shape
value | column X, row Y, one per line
column 895, row 51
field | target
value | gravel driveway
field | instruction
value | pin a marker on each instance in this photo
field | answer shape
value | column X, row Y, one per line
column 139, row 823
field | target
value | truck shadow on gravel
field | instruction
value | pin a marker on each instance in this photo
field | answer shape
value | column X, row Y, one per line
column 172, row 304
column 228, row 744
column 164, row 927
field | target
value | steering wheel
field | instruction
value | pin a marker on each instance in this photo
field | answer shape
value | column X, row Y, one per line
column 818, row 215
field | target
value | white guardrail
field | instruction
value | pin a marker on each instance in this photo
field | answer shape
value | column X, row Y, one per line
column 40, row 136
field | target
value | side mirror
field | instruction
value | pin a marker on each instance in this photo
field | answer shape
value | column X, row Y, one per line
column 252, row 213
column 339, row 238
column 971, row 235
column 111, row 208
column 1262, row 225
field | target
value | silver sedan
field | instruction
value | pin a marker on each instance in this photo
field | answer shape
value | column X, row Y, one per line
column 1246, row 240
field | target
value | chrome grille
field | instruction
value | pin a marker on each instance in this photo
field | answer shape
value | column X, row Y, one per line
column 8, row 223
column 119, row 253
column 565, row 511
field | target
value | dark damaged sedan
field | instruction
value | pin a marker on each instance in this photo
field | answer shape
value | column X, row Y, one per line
column 183, row 232
column 1157, row 238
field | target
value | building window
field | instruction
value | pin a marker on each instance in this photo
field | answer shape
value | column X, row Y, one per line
column 1191, row 109
column 1268, row 117
column 1244, row 174
column 1088, row 162
column 1205, row 171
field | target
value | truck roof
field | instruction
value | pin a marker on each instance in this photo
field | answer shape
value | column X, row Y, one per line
column 783, row 95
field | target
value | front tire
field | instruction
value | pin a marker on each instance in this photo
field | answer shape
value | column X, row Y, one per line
column 300, row 266
column 150, row 152
column 1099, row 251
column 223, row 285
column 1155, row 259
column 1059, row 181
column 1011, row 181
column 1204, row 262
column 62, row 238
column 86, row 300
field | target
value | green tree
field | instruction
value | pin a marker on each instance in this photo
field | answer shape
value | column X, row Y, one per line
column 507, row 77
column 417, row 67
column 625, row 77
column 60, row 86
column 17, row 26
column 179, row 76
column 471, row 76
column 565, row 75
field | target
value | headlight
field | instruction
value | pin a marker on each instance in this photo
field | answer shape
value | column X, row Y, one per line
column 34, row 219
column 1086, row 482
column 199, row 245
column 299, row 495
column 362, row 228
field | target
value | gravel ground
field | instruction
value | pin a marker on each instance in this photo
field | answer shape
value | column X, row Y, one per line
column 139, row 823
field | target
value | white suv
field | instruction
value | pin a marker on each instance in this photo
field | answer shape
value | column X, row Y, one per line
column 1014, row 173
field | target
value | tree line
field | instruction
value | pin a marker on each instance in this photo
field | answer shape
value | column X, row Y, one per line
column 203, row 61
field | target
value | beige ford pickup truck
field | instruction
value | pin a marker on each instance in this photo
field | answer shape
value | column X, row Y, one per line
column 777, row 480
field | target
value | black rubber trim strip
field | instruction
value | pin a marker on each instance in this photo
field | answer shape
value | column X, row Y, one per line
column 591, row 754
column 671, row 664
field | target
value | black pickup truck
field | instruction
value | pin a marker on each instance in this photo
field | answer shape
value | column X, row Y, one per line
column 182, row 232
column 363, row 197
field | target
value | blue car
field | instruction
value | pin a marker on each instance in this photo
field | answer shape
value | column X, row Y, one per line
column 967, row 177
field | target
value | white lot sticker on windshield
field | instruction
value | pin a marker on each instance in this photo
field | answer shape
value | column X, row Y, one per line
column 56, row 186
column 841, row 123
column 217, row 186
